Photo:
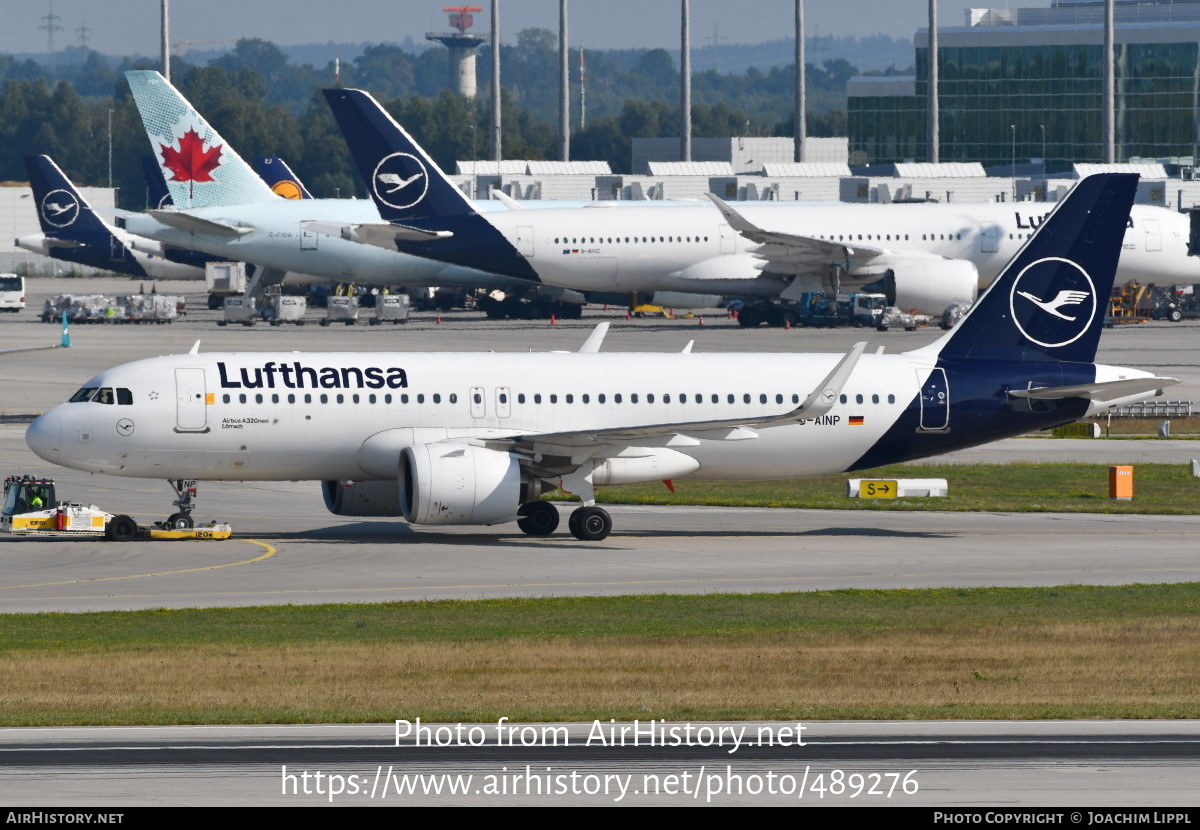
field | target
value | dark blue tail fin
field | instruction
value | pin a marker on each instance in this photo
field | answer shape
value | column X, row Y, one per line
column 158, row 196
column 280, row 178
column 402, row 179
column 62, row 212
column 1051, row 298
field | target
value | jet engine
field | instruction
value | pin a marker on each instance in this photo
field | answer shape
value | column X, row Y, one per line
column 928, row 285
column 458, row 484
column 361, row 498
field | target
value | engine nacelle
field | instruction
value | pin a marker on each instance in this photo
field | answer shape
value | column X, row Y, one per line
column 457, row 484
column 362, row 498
column 929, row 285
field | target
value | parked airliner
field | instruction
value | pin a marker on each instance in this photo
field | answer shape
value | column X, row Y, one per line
column 476, row 439
column 73, row 232
column 924, row 256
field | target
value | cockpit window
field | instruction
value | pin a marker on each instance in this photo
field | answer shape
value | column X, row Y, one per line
column 105, row 395
column 124, row 397
column 84, row 394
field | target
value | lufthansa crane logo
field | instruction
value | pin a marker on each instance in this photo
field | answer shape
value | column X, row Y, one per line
column 400, row 180
column 60, row 208
column 1053, row 302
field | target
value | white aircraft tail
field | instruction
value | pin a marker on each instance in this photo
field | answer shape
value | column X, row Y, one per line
column 201, row 169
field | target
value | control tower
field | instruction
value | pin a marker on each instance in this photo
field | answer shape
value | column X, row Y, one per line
column 462, row 45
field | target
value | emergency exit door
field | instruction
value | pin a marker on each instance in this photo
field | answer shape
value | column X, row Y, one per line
column 935, row 403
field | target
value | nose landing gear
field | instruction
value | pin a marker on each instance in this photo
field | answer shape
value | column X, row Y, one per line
column 185, row 492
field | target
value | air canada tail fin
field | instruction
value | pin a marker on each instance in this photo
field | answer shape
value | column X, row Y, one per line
column 63, row 213
column 280, row 178
column 200, row 168
column 401, row 177
column 1051, row 298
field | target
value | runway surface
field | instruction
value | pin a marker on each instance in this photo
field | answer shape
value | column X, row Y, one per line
column 945, row 764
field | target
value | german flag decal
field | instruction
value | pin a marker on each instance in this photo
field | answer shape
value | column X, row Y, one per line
column 856, row 420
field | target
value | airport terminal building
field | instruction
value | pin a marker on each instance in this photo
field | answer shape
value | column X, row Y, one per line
column 1028, row 83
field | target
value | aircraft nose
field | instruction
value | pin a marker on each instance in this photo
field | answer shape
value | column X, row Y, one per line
column 44, row 436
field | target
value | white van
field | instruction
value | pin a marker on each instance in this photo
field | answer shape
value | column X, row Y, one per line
column 12, row 292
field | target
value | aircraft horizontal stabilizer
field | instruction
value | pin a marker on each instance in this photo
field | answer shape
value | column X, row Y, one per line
column 1103, row 391
column 380, row 235
column 194, row 224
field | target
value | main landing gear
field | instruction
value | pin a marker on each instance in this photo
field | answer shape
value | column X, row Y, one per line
column 185, row 492
column 588, row 523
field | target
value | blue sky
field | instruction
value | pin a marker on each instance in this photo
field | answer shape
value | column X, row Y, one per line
column 131, row 26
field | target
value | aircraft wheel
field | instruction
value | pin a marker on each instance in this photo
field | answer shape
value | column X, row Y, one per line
column 538, row 518
column 121, row 529
column 590, row 524
column 180, row 521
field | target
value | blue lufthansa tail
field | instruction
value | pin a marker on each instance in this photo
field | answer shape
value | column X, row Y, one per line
column 403, row 180
column 280, row 178
column 415, row 196
column 157, row 195
column 73, row 232
column 1050, row 300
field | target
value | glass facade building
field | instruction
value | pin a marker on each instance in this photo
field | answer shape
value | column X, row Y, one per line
column 1028, row 83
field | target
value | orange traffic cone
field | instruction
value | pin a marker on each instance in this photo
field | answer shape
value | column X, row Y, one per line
column 553, row 320
column 439, row 319
column 701, row 320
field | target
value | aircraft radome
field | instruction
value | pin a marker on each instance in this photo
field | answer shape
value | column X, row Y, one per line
column 476, row 439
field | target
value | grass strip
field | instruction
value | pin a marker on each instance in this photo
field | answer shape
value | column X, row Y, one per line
column 1018, row 487
column 1069, row 652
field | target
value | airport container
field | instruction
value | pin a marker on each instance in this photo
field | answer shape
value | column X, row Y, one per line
column 341, row 310
column 391, row 308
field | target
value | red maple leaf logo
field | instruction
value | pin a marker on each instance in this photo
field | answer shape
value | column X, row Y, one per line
column 191, row 162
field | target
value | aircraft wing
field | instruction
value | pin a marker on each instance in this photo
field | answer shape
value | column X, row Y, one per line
column 686, row 433
column 789, row 253
column 194, row 224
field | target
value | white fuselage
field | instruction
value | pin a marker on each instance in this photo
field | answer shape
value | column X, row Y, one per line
column 684, row 248
column 293, row 427
column 285, row 416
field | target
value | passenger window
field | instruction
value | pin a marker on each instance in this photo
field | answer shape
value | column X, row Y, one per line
column 421, row 398
column 124, row 397
column 503, row 397
column 258, row 398
column 341, row 398
column 570, row 398
column 370, row 398
column 225, row 399
column 242, row 398
column 842, row 398
column 633, row 397
column 308, row 398
column 553, row 397
column 521, row 398
column 291, row 398
column 353, row 397
column 858, row 398
column 795, row 398
column 324, row 398
column 476, row 397
column 453, row 397
column 404, row 398
column 599, row 398
column 667, row 398
column 730, row 398
column 650, row 398
column 891, row 398
column 437, row 397
column 275, row 398
column 762, row 398
column 537, row 398
column 388, row 398
column 746, row 398
column 617, row 398
column 874, row 399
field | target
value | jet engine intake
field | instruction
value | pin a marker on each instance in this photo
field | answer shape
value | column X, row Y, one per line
column 458, row 484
